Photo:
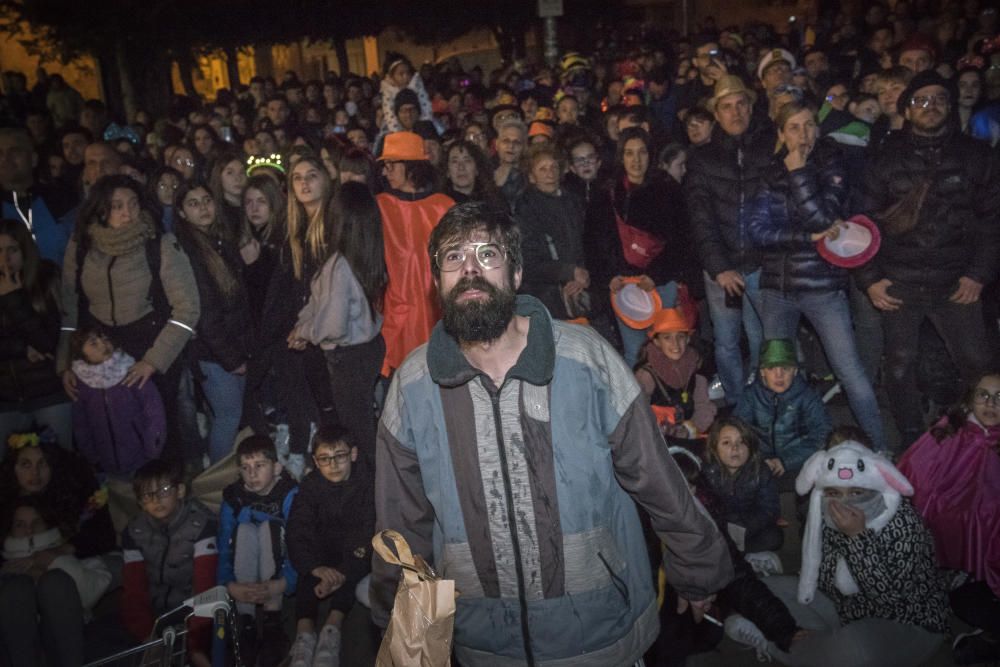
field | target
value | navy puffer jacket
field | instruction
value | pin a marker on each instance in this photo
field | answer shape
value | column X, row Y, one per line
column 788, row 209
column 791, row 426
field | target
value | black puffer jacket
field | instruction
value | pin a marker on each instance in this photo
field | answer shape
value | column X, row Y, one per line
column 790, row 207
column 722, row 180
column 957, row 230
column 552, row 244
column 225, row 329
column 29, row 385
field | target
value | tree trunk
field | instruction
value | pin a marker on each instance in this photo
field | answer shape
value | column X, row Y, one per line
column 129, row 100
column 232, row 67
column 340, row 46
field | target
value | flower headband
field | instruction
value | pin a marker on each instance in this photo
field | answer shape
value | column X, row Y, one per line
column 256, row 161
column 20, row 440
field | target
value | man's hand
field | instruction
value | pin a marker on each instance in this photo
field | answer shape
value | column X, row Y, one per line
column 776, row 466
column 968, row 291
column 69, row 384
column 582, row 276
column 848, row 520
column 879, row 295
column 139, row 374
column 732, row 282
column 698, row 607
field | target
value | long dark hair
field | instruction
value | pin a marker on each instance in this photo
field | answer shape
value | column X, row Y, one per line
column 272, row 191
column 39, row 284
column 749, row 439
column 485, row 188
column 206, row 241
column 360, row 239
column 97, row 206
column 67, row 491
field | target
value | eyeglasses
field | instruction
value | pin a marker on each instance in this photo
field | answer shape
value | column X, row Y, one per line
column 924, row 101
column 158, row 494
column 982, row 396
column 489, row 255
column 475, row 136
column 584, row 160
column 324, row 461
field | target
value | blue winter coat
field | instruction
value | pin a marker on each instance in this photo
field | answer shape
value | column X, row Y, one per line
column 791, row 426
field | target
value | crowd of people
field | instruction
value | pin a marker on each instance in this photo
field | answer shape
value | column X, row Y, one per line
column 484, row 309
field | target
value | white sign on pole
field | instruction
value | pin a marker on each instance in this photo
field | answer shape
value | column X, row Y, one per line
column 547, row 8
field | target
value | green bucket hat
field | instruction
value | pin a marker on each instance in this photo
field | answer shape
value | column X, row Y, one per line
column 778, row 352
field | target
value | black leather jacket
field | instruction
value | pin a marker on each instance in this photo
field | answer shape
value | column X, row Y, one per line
column 957, row 229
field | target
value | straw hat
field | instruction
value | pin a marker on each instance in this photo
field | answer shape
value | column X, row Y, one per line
column 730, row 85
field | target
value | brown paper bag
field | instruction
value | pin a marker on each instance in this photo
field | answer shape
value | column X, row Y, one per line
column 423, row 616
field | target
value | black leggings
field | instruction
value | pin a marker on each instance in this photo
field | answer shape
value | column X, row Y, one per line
column 976, row 604
column 41, row 618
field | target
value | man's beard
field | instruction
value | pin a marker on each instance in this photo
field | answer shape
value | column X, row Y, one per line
column 478, row 321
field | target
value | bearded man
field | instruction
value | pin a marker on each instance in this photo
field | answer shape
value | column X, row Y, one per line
column 510, row 450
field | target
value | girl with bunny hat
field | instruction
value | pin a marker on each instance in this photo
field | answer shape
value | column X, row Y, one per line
column 869, row 592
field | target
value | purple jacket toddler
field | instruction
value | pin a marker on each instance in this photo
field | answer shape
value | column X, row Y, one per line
column 117, row 428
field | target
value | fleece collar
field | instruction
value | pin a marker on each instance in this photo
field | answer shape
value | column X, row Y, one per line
column 105, row 374
column 449, row 367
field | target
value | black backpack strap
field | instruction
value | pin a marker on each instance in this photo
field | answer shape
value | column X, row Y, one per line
column 157, row 295
column 82, row 302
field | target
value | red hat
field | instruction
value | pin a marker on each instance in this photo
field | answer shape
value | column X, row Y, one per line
column 919, row 42
column 857, row 242
column 635, row 306
column 403, row 146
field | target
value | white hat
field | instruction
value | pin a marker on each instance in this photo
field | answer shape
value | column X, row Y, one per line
column 635, row 306
column 771, row 56
column 849, row 464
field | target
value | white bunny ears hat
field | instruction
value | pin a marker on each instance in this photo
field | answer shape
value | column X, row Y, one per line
column 849, row 464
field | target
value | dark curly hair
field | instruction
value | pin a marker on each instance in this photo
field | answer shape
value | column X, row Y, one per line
column 68, row 491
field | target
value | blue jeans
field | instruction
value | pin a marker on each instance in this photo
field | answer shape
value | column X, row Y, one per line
column 830, row 314
column 729, row 324
column 224, row 391
column 633, row 339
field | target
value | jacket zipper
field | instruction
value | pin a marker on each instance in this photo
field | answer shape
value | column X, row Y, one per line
column 739, row 220
column 111, row 291
column 512, row 524
column 111, row 430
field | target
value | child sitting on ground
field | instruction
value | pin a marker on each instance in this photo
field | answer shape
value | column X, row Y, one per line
column 787, row 414
column 253, row 561
column 329, row 543
column 117, row 427
column 667, row 373
column 170, row 555
column 745, row 495
column 746, row 597
column 47, row 593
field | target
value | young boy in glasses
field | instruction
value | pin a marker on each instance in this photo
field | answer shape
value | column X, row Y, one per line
column 329, row 543
column 253, row 561
column 170, row 554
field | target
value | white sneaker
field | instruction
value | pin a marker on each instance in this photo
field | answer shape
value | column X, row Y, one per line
column 302, row 651
column 715, row 390
column 327, row 648
column 764, row 563
column 296, row 466
column 741, row 629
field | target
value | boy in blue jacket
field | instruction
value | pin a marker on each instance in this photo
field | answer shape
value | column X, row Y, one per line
column 253, row 556
column 787, row 414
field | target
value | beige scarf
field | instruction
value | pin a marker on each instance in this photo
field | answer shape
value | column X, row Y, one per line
column 123, row 240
